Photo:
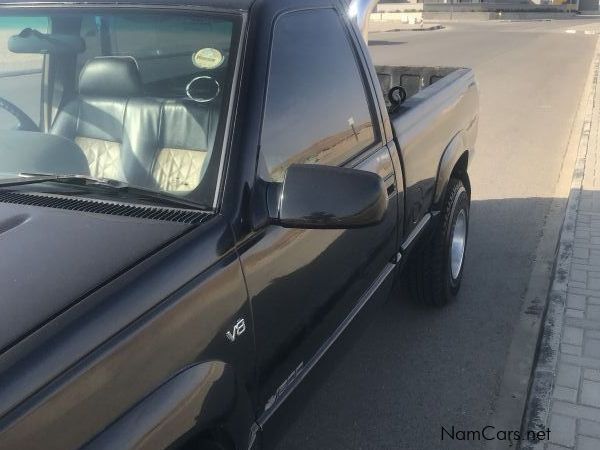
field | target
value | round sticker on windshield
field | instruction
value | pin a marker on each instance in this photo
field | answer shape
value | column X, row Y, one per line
column 208, row 58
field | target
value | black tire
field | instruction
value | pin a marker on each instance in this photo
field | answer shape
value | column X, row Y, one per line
column 431, row 279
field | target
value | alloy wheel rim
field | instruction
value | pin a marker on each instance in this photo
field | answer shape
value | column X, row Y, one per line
column 458, row 243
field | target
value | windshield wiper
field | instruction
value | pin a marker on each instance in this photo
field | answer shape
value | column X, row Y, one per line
column 107, row 184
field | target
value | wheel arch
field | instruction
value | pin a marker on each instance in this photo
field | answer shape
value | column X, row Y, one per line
column 197, row 400
column 453, row 163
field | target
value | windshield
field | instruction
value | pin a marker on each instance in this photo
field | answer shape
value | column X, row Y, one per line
column 139, row 98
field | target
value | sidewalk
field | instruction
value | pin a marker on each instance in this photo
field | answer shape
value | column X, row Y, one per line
column 565, row 390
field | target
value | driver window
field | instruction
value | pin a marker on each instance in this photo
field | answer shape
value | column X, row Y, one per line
column 316, row 108
column 20, row 74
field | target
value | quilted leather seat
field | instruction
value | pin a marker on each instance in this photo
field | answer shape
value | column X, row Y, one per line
column 146, row 141
column 94, row 120
column 168, row 142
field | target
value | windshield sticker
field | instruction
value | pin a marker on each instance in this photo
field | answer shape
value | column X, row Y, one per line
column 208, row 58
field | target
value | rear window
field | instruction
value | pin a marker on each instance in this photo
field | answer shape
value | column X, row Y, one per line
column 161, row 45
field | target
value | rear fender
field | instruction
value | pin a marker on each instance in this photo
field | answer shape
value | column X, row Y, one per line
column 193, row 401
column 456, row 149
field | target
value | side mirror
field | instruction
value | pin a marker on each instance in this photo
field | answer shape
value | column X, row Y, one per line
column 317, row 196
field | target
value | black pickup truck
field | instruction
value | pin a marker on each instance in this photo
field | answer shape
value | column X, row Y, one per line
column 196, row 198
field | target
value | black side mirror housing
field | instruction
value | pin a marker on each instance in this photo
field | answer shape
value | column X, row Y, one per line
column 318, row 196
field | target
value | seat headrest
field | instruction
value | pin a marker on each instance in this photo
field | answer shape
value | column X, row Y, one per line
column 110, row 76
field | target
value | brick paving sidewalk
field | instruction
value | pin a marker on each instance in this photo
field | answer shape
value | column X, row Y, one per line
column 565, row 391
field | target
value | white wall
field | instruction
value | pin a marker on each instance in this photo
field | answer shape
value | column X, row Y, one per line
column 396, row 7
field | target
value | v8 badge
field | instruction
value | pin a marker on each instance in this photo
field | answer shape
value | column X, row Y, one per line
column 238, row 330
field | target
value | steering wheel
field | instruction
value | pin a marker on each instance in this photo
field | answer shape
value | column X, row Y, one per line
column 26, row 123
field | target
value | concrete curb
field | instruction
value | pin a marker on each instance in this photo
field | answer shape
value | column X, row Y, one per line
column 475, row 16
column 543, row 376
column 434, row 27
column 414, row 28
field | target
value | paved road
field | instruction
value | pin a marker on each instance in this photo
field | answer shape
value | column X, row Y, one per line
column 405, row 371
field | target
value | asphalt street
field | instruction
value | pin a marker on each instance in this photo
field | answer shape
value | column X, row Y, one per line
column 403, row 371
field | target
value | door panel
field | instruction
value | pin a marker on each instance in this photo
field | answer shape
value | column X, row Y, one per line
column 304, row 283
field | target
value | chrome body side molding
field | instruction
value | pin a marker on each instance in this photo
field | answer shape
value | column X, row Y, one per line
column 415, row 233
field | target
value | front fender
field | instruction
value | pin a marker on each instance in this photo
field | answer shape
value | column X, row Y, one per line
column 192, row 401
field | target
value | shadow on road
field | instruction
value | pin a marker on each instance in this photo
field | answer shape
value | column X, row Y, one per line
column 402, row 371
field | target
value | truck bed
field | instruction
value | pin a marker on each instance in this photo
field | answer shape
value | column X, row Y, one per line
column 412, row 78
column 440, row 110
